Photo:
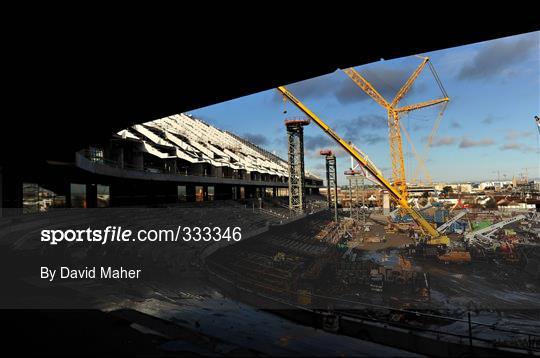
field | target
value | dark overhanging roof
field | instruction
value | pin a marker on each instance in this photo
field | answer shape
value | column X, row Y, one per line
column 70, row 93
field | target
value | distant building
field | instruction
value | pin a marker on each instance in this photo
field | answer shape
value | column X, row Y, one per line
column 440, row 186
column 462, row 188
column 456, row 188
column 494, row 185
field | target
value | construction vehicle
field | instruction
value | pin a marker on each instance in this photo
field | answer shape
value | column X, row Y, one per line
column 455, row 257
column 394, row 112
column 434, row 237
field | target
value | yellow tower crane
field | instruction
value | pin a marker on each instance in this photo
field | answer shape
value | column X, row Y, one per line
column 436, row 237
column 394, row 112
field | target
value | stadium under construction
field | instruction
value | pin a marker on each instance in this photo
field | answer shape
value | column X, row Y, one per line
column 376, row 262
column 173, row 159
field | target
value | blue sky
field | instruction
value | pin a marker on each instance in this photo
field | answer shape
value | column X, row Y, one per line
column 488, row 126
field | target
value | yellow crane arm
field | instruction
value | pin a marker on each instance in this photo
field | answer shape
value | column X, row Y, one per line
column 407, row 86
column 412, row 107
column 426, row 227
column 366, row 87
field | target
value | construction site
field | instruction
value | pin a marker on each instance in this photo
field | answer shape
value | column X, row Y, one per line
column 403, row 262
column 457, row 270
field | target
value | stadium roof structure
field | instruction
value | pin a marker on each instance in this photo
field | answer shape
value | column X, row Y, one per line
column 184, row 137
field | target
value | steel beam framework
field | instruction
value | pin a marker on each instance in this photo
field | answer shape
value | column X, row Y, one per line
column 295, row 138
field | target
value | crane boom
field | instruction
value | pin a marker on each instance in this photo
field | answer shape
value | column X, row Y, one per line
column 366, row 87
column 492, row 228
column 412, row 107
column 407, row 86
column 449, row 223
column 436, row 237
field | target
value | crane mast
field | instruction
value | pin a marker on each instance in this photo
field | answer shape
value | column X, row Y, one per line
column 436, row 237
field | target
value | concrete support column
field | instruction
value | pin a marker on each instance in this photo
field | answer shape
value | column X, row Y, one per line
column 386, row 203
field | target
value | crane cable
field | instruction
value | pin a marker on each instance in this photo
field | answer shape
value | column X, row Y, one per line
column 437, row 79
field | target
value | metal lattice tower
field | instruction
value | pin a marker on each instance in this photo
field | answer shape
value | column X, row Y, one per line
column 295, row 138
column 331, row 180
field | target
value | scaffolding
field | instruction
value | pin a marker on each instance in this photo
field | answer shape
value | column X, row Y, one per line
column 331, row 180
column 295, row 138
column 354, row 176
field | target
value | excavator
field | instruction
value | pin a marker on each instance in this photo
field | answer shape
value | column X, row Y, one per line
column 434, row 237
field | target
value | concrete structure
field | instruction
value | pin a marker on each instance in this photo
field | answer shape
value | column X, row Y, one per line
column 386, row 203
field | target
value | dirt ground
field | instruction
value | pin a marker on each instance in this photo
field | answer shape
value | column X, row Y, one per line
column 377, row 232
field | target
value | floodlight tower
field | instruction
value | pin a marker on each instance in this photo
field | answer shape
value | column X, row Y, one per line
column 295, row 138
